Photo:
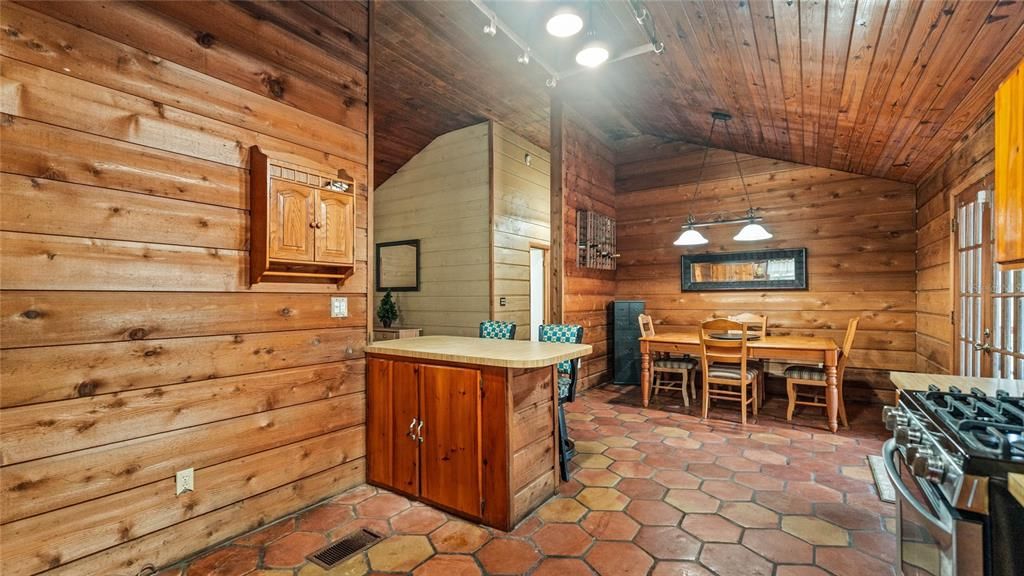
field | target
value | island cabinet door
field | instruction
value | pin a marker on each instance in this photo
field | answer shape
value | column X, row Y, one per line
column 451, row 471
column 392, row 418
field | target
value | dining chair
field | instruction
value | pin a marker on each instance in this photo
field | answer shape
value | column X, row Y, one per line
column 568, row 375
column 756, row 325
column 814, row 377
column 724, row 363
column 666, row 364
column 498, row 330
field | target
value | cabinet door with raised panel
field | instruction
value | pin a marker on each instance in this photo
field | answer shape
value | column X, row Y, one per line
column 451, row 461
column 291, row 216
column 1009, row 169
column 392, row 446
column 335, row 225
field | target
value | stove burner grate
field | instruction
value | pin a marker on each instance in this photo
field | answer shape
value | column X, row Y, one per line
column 992, row 426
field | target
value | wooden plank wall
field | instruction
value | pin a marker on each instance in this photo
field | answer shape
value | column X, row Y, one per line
column 858, row 230
column 968, row 165
column 587, row 182
column 133, row 345
column 442, row 198
column 521, row 220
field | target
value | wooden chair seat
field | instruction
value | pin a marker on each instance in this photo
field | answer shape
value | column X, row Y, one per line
column 724, row 364
column 665, row 364
column 815, row 378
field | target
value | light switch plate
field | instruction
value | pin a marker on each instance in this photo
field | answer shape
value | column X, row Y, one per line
column 339, row 307
column 184, row 481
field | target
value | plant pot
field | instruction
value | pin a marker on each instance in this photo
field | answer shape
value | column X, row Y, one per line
column 386, row 323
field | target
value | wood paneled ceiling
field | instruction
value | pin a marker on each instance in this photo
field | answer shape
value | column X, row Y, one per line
column 879, row 87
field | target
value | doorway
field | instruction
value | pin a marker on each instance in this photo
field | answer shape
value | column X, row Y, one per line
column 538, row 289
column 989, row 301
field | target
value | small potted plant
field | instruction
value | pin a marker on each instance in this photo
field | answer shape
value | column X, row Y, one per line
column 387, row 312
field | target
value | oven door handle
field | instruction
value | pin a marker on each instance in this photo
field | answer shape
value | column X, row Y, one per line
column 889, row 452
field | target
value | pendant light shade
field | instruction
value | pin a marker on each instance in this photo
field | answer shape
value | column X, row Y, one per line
column 690, row 237
column 751, row 233
column 565, row 22
column 593, row 54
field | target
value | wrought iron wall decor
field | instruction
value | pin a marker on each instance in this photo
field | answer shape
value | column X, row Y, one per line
column 595, row 240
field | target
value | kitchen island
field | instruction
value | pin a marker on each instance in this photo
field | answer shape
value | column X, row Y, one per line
column 466, row 424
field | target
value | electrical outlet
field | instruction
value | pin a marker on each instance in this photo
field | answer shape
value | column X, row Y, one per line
column 184, row 481
column 339, row 307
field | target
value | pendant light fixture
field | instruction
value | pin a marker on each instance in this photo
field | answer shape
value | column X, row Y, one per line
column 753, row 231
column 565, row 22
column 594, row 52
column 690, row 235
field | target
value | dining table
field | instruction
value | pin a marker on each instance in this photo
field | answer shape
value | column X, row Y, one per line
column 797, row 349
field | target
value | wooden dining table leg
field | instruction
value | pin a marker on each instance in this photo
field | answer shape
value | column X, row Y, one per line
column 645, row 372
column 832, row 390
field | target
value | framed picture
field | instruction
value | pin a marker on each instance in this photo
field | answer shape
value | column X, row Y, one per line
column 784, row 269
column 398, row 266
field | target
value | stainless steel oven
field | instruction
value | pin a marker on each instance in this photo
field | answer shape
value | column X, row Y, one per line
column 934, row 538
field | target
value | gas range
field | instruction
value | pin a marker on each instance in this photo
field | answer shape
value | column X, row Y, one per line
column 959, row 440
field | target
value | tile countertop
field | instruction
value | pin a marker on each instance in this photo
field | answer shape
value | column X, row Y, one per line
column 918, row 381
column 482, row 351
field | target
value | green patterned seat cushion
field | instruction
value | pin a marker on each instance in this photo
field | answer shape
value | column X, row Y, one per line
column 570, row 333
column 497, row 329
column 676, row 363
column 564, row 385
column 805, row 373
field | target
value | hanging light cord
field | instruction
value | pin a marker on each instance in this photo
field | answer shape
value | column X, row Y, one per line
column 704, row 161
column 743, row 182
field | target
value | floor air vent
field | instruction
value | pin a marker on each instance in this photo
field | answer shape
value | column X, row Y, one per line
column 354, row 543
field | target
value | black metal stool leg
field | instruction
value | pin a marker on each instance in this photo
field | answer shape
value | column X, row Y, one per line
column 563, row 444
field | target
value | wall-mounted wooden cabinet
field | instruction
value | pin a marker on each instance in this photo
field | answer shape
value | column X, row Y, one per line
column 303, row 223
column 1009, row 168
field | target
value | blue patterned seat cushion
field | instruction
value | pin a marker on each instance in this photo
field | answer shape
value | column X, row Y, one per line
column 727, row 371
column 805, row 373
column 497, row 329
column 676, row 363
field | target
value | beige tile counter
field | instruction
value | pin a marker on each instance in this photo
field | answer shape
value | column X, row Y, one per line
column 918, row 381
column 481, row 351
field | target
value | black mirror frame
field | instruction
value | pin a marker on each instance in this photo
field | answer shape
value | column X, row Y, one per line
column 687, row 283
column 379, row 288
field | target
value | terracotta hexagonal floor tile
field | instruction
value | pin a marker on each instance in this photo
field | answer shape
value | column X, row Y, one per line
column 507, row 556
column 602, row 499
column 734, row 559
column 624, row 454
column 672, row 568
column 847, row 516
column 354, row 566
column 685, row 443
column 562, row 540
column 690, row 501
column 268, row 534
column 711, row 528
column 850, row 562
column 749, row 515
column 619, row 559
column 726, row 490
column 676, row 479
column 814, row 492
column 667, row 543
column 448, row 565
column 325, row 518
column 561, row 510
column 590, row 447
column 654, row 513
column 563, row 567
column 610, row 525
column 783, row 502
column 417, row 520
column 230, row 561
column 778, row 546
column 815, row 530
column 799, row 571
column 399, row 553
column 671, row 432
column 573, row 486
column 382, row 505
column 355, row 495
column 596, row 477
column 592, row 461
column 632, row 417
column 458, row 536
column 881, row 545
column 632, row 469
column 618, row 442
column 641, row 488
column 291, row 550
column 765, row 456
column 738, row 464
column 758, row 481
column 709, row 471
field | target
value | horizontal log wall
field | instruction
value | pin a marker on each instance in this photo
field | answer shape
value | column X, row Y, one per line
column 133, row 345
column 858, row 231
column 967, row 166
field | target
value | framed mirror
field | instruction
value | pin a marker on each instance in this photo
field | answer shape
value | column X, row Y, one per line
column 760, row 270
column 398, row 266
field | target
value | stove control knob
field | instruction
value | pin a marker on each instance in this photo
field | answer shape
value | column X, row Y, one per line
column 922, row 462
column 907, row 437
column 936, row 472
column 893, row 416
column 912, row 452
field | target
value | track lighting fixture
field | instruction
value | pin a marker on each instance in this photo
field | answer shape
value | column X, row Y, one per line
column 523, row 58
column 491, row 28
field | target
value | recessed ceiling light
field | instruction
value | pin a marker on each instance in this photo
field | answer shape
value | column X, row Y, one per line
column 593, row 54
column 565, row 22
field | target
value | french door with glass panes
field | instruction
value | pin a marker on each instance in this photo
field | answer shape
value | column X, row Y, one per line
column 989, row 301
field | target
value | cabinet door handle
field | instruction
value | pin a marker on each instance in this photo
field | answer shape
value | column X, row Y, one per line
column 412, row 434
column 319, row 225
column 312, row 224
column 419, row 431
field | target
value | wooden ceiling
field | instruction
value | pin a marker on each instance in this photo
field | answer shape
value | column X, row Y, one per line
column 871, row 86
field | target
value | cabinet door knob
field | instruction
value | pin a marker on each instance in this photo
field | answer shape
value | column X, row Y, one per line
column 319, row 225
column 419, row 431
column 312, row 224
column 412, row 434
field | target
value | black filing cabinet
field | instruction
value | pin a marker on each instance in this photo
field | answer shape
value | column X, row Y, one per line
column 625, row 340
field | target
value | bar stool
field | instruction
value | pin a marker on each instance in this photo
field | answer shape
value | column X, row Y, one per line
column 568, row 375
column 498, row 330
